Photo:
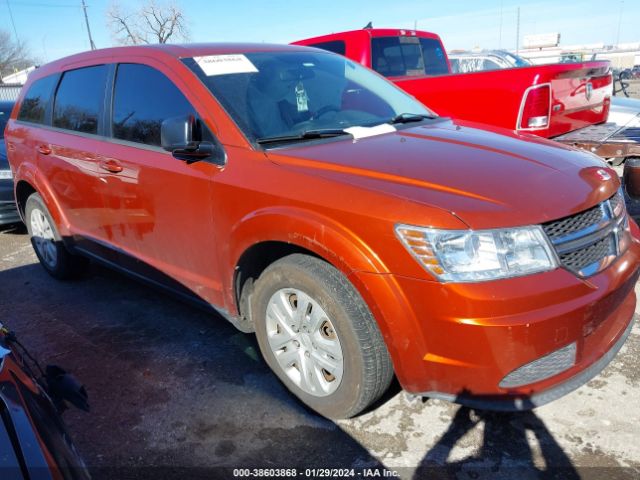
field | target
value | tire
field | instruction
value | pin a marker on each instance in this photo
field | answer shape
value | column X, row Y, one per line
column 337, row 325
column 47, row 242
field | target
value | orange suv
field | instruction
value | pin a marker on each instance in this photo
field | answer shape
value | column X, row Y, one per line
column 308, row 200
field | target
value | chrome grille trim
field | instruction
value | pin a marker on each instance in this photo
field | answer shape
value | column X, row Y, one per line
column 588, row 242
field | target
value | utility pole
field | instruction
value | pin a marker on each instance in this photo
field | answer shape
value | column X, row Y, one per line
column 619, row 23
column 518, row 34
column 86, row 19
column 500, row 31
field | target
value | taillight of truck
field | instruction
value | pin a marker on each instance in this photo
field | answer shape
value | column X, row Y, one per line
column 535, row 108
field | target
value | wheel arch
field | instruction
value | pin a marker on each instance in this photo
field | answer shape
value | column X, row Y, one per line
column 265, row 236
column 28, row 181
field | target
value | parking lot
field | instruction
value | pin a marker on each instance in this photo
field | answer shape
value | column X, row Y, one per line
column 178, row 393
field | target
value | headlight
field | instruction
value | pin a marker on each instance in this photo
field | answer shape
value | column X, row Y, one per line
column 471, row 256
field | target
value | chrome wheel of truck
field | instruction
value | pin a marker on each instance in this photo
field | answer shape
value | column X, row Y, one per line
column 304, row 342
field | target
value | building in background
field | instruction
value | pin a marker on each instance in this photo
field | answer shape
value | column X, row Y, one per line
column 18, row 77
column 545, row 48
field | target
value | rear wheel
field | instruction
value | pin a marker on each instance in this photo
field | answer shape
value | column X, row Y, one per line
column 47, row 243
column 319, row 337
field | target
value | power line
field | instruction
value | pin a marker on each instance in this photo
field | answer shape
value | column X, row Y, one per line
column 40, row 4
column 13, row 24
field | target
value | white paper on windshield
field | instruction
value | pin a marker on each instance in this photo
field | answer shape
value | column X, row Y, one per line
column 225, row 64
column 363, row 132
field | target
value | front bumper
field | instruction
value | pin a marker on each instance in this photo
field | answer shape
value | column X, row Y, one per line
column 459, row 341
column 8, row 210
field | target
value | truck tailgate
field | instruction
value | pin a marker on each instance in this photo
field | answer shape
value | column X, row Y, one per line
column 580, row 96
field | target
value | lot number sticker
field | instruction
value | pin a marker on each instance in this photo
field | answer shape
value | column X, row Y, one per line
column 225, row 64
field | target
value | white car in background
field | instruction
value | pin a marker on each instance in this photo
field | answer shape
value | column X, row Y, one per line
column 465, row 62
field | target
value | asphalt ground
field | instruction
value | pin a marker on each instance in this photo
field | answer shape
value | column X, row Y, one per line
column 178, row 393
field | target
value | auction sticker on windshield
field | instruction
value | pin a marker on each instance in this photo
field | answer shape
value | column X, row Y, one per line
column 225, row 64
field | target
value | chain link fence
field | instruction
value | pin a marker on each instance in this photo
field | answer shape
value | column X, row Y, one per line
column 9, row 91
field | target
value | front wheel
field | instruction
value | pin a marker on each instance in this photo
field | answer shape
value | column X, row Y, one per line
column 319, row 337
column 47, row 243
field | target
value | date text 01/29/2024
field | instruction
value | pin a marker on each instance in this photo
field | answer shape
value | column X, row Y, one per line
column 314, row 473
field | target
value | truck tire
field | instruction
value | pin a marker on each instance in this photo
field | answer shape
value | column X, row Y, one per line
column 319, row 337
column 47, row 242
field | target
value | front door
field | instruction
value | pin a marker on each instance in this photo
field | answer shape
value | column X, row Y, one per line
column 159, row 208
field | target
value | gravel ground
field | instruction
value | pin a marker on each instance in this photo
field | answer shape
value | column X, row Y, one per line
column 178, row 393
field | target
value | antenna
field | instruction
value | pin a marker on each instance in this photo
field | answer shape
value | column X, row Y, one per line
column 86, row 19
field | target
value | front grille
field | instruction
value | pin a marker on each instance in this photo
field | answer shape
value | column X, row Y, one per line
column 587, row 241
column 578, row 259
column 542, row 368
column 568, row 225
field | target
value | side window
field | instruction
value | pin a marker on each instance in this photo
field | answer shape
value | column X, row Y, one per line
column 336, row 46
column 79, row 99
column 435, row 61
column 143, row 98
column 34, row 104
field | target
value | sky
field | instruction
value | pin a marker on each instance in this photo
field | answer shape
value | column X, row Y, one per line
column 56, row 28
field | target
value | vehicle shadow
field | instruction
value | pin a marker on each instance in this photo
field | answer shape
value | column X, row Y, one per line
column 512, row 445
column 175, row 392
column 13, row 229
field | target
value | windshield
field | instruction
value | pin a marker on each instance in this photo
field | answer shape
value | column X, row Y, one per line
column 275, row 94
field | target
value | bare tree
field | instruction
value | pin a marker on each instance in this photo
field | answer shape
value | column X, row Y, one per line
column 153, row 22
column 13, row 55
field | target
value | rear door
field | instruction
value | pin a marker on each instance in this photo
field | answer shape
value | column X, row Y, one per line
column 159, row 208
column 66, row 148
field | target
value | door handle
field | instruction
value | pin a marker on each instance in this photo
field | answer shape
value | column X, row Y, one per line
column 44, row 149
column 112, row 166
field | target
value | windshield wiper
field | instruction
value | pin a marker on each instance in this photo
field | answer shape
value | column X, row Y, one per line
column 306, row 135
column 410, row 117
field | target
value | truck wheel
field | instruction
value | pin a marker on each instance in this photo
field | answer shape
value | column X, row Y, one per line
column 47, row 243
column 319, row 337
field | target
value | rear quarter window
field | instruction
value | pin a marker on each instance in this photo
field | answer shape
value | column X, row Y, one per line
column 79, row 99
column 35, row 102
column 336, row 46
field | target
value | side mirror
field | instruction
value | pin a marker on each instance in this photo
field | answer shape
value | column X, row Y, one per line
column 181, row 137
column 631, row 177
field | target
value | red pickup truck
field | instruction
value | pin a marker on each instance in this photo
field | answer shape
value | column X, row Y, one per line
column 546, row 100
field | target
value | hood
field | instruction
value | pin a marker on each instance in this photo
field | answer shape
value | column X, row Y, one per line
column 485, row 178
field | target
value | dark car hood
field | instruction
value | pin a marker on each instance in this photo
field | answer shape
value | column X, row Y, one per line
column 485, row 178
